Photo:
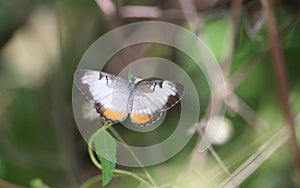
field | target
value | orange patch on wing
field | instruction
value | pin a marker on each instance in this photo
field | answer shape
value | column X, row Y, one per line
column 140, row 118
column 113, row 115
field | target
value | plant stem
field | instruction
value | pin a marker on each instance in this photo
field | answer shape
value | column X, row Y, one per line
column 278, row 63
column 99, row 166
column 148, row 175
column 7, row 184
column 91, row 181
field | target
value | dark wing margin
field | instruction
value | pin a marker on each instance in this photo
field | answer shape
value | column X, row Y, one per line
column 80, row 83
column 174, row 99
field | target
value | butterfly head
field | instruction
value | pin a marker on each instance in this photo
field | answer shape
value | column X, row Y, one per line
column 134, row 80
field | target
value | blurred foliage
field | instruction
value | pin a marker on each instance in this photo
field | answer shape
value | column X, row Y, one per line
column 38, row 183
column 39, row 137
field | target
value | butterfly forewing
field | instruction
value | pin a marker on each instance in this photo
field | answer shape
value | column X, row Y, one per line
column 109, row 93
column 163, row 93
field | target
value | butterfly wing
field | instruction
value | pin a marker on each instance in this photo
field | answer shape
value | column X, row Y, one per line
column 151, row 98
column 109, row 93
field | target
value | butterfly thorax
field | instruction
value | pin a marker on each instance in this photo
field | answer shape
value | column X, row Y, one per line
column 132, row 84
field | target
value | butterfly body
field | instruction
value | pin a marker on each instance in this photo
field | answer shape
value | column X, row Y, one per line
column 115, row 98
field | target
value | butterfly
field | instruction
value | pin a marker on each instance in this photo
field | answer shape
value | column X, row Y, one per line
column 115, row 98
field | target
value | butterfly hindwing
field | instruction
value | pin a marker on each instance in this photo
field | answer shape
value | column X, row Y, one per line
column 140, row 119
column 109, row 93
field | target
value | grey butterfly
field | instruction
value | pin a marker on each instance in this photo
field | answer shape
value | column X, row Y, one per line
column 115, row 98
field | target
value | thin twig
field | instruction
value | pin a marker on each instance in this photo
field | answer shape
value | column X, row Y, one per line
column 191, row 15
column 236, row 6
column 91, row 181
column 6, row 184
column 141, row 12
column 246, row 112
column 256, row 159
column 280, row 73
column 293, row 22
column 251, row 30
column 110, row 12
column 107, row 6
column 219, row 160
column 148, row 175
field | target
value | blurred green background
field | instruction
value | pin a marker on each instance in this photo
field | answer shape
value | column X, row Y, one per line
column 41, row 43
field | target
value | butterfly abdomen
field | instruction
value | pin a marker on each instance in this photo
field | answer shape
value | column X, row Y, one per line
column 130, row 98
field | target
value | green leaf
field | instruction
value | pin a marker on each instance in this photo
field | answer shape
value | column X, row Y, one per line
column 38, row 183
column 105, row 146
column 143, row 185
